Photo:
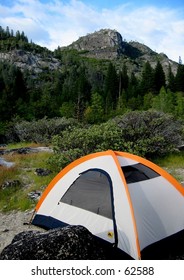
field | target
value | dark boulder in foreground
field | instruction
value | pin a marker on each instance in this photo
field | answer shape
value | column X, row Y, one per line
column 77, row 243
column 68, row 243
column 72, row 242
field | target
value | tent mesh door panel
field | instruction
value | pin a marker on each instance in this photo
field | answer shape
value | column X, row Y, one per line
column 91, row 191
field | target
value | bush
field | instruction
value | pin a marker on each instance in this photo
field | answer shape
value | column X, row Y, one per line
column 3, row 131
column 81, row 141
column 43, row 130
column 147, row 134
column 150, row 133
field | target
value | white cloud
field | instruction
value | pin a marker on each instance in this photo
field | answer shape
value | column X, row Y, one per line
column 160, row 29
column 57, row 22
column 30, row 27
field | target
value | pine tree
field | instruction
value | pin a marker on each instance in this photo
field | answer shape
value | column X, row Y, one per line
column 158, row 78
column 83, row 93
column 147, row 80
column 180, row 78
column 95, row 112
column 123, row 79
column 171, row 80
column 12, row 34
column 179, row 108
column 18, row 35
column 7, row 32
column 111, row 88
column 1, row 32
column 132, row 91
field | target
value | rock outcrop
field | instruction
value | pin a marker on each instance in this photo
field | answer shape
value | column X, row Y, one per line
column 103, row 44
column 26, row 60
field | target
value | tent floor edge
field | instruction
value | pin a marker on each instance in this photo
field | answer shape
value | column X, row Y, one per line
column 47, row 222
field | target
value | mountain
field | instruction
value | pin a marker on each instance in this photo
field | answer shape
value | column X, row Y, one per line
column 105, row 44
column 100, row 71
column 109, row 44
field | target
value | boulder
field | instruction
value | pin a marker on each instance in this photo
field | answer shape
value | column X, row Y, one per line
column 11, row 184
column 42, row 171
column 35, row 195
column 67, row 243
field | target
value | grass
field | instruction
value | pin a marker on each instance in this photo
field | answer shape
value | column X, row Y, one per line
column 174, row 164
column 21, row 145
column 6, row 173
column 173, row 160
column 16, row 198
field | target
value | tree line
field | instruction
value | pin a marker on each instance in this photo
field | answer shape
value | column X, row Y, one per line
column 11, row 40
column 7, row 33
column 82, row 92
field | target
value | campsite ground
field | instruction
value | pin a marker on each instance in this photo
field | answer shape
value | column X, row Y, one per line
column 14, row 221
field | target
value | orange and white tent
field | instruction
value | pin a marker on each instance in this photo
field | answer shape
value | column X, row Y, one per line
column 119, row 197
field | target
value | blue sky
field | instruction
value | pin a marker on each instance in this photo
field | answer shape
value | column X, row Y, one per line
column 53, row 23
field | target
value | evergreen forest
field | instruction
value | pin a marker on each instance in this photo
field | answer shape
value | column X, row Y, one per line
column 92, row 91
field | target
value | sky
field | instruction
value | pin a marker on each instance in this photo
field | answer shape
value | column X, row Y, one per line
column 52, row 23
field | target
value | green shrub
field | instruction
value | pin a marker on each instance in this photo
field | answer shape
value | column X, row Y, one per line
column 148, row 134
column 81, row 141
column 43, row 130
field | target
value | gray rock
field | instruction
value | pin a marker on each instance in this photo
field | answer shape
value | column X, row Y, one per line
column 35, row 195
column 42, row 172
column 68, row 243
column 104, row 44
column 11, row 184
column 6, row 163
column 26, row 60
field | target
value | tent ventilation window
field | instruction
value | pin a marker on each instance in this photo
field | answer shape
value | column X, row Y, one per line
column 138, row 172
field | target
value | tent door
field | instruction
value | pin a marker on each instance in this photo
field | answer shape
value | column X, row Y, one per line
column 89, row 202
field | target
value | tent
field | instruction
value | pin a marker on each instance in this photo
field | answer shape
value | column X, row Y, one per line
column 119, row 197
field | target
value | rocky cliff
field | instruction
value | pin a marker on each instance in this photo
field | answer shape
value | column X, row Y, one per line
column 27, row 60
column 109, row 45
column 104, row 44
